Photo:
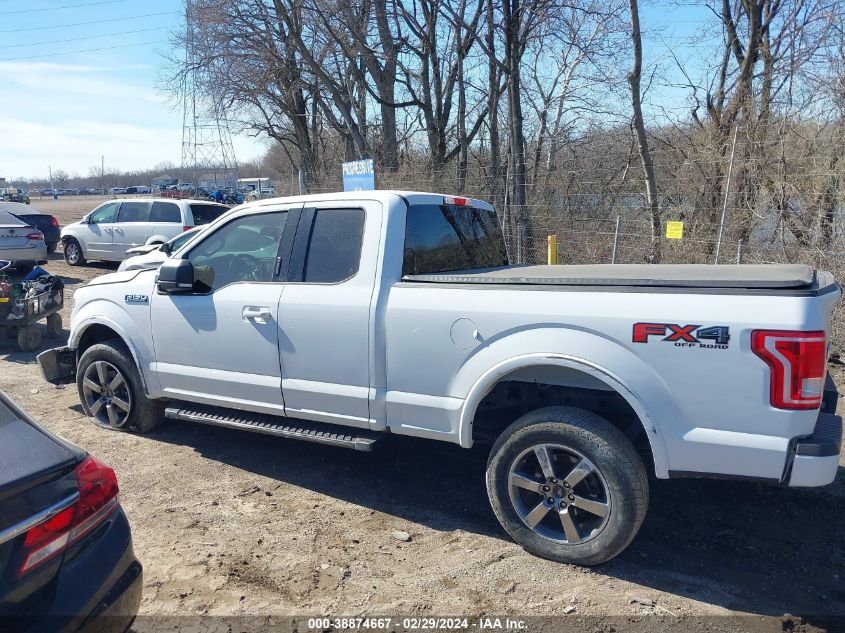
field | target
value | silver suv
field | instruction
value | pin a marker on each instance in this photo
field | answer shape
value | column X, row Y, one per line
column 107, row 232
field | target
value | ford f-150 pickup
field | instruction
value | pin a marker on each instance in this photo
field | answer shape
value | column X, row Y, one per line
column 339, row 318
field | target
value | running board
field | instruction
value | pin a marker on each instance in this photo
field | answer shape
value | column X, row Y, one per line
column 336, row 435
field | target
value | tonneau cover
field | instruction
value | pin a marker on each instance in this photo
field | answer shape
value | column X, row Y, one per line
column 653, row 275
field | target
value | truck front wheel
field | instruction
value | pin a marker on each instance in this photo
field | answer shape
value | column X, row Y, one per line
column 111, row 391
column 567, row 485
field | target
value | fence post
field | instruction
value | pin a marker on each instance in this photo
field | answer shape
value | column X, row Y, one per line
column 615, row 240
column 551, row 249
column 739, row 252
column 727, row 193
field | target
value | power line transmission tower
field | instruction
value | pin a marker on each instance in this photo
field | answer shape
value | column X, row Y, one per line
column 207, row 150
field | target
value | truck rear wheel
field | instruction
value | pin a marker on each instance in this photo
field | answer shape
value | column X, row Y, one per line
column 567, row 485
column 111, row 391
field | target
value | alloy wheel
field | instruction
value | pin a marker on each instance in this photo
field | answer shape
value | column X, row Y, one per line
column 559, row 494
column 72, row 253
column 106, row 394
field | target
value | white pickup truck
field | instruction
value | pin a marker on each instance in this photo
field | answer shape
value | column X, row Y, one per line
column 340, row 318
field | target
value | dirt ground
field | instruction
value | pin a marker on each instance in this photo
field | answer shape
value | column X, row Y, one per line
column 233, row 523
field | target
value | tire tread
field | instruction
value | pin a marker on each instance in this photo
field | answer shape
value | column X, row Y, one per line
column 589, row 427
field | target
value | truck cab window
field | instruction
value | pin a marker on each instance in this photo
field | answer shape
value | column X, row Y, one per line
column 243, row 250
column 334, row 246
column 440, row 238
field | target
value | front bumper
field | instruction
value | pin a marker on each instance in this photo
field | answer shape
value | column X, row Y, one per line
column 58, row 365
column 815, row 458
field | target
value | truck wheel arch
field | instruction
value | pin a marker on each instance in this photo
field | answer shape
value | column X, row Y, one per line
column 99, row 331
column 512, row 366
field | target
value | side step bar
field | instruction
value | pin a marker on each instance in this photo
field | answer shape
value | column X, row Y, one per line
column 356, row 439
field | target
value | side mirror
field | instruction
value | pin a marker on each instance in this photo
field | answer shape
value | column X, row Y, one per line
column 176, row 276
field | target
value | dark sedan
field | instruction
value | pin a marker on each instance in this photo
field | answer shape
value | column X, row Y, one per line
column 47, row 224
column 66, row 558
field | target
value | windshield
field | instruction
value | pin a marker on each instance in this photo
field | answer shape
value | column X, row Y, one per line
column 441, row 238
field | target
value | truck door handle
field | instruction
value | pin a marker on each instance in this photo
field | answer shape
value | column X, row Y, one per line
column 260, row 314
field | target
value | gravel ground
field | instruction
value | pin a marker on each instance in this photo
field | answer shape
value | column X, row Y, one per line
column 232, row 523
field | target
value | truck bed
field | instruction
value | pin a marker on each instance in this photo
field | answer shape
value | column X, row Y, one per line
column 750, row 276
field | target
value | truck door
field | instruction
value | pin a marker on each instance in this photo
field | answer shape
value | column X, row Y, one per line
column 219, row 345
column 324, row 314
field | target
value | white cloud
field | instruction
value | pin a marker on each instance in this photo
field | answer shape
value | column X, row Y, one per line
column 25, row 67
column 68, row 115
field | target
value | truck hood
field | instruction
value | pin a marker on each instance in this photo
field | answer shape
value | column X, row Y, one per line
column 120, row 277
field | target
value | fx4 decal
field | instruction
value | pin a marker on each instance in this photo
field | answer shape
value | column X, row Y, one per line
column 136, row 299
column 717, row 336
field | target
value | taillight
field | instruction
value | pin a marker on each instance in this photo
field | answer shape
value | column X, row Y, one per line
column 186, row 228
column 35, row 237
column 456, row 201
column 54, row 221
column 97, row 498
column 796, row 362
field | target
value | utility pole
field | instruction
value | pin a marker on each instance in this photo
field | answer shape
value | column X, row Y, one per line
column 102, row 173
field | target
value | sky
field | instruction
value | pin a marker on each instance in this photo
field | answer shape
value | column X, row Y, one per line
column 80, row 81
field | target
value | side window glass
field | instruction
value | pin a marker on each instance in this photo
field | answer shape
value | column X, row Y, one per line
column 134, row 212
column 245, row 249
column 103, row 215
column 334, row 246
column 165, row 212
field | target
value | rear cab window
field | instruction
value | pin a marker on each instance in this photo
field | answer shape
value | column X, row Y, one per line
column 206, row 213
column 447, row 237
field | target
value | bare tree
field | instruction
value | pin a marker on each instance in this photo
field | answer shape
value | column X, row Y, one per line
column 634, row 80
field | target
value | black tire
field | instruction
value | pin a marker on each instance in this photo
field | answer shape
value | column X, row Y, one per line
column 54, row 325
column 73, row 253
column 29, row 338
column 144, row 414
column 619, row 473
column 51, row 247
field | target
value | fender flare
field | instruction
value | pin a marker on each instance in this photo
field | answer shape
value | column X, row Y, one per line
column 156, row 239
column 488, row 380
column 83, row 326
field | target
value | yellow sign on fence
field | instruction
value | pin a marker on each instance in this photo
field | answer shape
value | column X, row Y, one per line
column 675, row 230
